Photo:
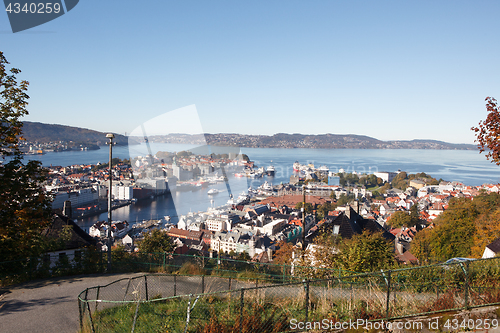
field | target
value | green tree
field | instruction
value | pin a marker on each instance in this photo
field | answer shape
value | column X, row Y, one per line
column 184, row 153
column 377, row 196
column 323, row 209
column 453, row 235
column 348, row 179
column 367, row 252
column 400, row 181
column 414, row 216
column 25, row 208
column 384, row 188
column 345, row 199
column 243, row 256
column 399, row 219
column 421, row 248
column 371, row 180
column 461, row 231
column 309, row 207
column 156, row 241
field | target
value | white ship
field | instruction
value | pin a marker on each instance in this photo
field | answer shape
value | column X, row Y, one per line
column 212, row 191
column 270, row 171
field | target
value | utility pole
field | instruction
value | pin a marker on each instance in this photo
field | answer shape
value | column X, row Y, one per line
column 110, row 136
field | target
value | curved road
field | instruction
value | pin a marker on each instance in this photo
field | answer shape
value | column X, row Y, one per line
column 51, row 305
column 48, row 305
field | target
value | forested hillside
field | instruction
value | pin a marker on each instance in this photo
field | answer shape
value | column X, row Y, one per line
column 43, row 133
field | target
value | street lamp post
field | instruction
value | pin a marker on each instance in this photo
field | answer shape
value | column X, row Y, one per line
column 303, row 219
column 110, row 136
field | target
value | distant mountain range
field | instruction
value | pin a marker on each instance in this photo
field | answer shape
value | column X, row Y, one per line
column 331, row 141
column 44, row 133
column 41, row 132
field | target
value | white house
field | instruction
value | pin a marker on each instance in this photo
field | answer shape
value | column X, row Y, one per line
column 491, row 250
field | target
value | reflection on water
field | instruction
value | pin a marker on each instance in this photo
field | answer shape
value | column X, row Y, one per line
column 187, row 201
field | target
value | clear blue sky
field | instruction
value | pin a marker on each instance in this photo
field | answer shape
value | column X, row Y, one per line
column 394, row 70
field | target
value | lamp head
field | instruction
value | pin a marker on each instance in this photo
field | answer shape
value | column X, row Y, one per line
column 110, row 136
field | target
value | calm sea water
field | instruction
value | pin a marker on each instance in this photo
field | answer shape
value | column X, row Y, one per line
column 466, row 166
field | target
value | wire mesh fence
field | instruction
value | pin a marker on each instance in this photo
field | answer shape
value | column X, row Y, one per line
column 149, row 298
column 170, row 303
column 90, row 261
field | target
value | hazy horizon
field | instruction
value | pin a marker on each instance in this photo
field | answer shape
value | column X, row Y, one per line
column 390, row 70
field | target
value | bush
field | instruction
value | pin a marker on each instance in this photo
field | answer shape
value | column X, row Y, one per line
column 189, row 268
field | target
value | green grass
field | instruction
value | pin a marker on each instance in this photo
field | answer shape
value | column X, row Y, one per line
column 413, row 291
column 210, row 314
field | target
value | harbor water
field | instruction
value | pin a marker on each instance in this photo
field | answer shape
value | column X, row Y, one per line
column 466, row 166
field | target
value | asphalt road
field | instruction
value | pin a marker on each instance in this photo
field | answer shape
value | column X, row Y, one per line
column 48, row 305
column 51, row 305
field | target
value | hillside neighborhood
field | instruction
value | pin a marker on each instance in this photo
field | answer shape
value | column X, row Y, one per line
column 257, row 224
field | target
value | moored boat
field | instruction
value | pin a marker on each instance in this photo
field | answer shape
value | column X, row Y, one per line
column 270, row 171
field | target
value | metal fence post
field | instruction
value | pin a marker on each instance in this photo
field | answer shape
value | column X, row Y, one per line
column 466, row 296
column 284, row 272
column 88, row 308
column 126, row 290
column 306, row 304
column 388, row 294
column 135, row 316
column 30, row 270
column 175, row 285
column 99, row 262
column 146, row 286
column 203, row 284
column 350, row 303
column 80, row 313
column 164, row 261
column 229, row 284
column 97, row 297
column 241, row 308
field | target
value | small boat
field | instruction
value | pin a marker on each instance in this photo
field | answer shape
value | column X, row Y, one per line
column 167, row 218
column 212, row 191
column 265, row 187
column 323, row 169
column 270, row 171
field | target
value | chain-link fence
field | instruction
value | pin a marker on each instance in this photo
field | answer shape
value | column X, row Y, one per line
column 161, row 302
column 168, row 303
column 220, row 266
column 91, row 261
